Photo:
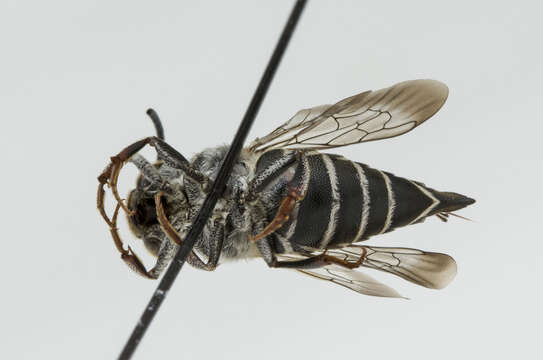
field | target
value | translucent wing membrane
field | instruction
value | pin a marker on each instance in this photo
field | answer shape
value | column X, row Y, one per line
column 428, row 269
column 371, row 115
column 301, row 120
column 352, row 279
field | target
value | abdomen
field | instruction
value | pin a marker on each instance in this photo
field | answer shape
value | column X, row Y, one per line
column 347, row 202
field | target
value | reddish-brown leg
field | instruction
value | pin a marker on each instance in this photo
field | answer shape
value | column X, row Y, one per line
column 128, row 256
column 345, row 263
column 318, row 261
column 283, row 213
column 110, row 175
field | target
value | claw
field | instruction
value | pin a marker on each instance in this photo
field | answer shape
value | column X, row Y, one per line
column 135, row 264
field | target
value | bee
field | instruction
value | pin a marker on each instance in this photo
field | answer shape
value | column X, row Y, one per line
column 290, row 204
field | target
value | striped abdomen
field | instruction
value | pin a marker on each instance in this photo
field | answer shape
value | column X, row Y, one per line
column 346, row 202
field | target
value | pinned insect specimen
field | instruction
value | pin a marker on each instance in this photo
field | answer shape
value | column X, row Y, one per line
column 290, row 204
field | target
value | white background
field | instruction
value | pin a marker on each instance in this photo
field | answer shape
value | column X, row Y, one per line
column 76, row 79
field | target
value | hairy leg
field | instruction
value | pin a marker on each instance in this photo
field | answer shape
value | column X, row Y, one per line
column 261, row 180
column 294, row 195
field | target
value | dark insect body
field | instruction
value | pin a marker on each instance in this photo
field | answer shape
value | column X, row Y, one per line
column 289, row 203
column 346, row 202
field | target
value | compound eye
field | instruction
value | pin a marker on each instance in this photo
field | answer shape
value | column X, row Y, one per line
column 146, row 213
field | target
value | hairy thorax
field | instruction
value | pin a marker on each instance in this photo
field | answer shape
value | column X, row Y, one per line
column 233, row 209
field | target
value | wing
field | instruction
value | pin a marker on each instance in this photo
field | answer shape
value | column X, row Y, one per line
column 351, row 279
column 428, row 269
column 368, row 116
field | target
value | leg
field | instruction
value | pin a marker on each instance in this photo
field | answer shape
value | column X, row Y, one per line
column 264, row 177
column 128, row 256
column 167, row 252
column 296, row 192
column 110, row 176
column 193, row 259
column 173, row 158
column 311, row 262
column 150, row 180
column 165, row 255
column 343, row 261
column 147, row 170
column 215, row 248
column 283, row 213
column 172, row 234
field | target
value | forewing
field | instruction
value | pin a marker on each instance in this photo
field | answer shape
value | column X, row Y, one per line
column 428, row 269
column 298, row 122
column 368, row 116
